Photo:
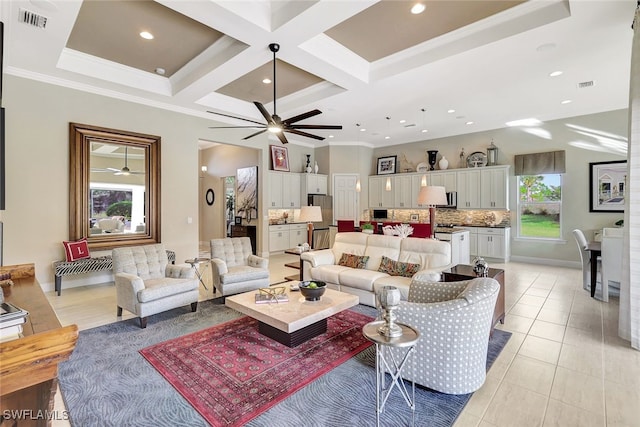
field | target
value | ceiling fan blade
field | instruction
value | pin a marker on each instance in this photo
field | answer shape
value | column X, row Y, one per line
column 282, row 138
column 315, row 127
column 237, row 127
column 302, row 116
column 113, row 169
column 234, row 117
column 308, row 135
column 254, row 134
column 264, row 112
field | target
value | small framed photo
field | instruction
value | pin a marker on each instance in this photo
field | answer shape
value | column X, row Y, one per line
column 279, row 158
column 607, row 186
column 387, row 165
column 238, row 220
column 414, row 218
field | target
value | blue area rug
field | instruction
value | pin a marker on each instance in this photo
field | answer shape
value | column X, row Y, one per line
column 106, row 382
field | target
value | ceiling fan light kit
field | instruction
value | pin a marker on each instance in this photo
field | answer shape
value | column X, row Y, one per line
column 275, row 124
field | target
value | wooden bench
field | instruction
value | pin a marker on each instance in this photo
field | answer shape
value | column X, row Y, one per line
column 88, row 265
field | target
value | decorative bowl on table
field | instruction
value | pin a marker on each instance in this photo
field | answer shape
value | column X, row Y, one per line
column 312, row 290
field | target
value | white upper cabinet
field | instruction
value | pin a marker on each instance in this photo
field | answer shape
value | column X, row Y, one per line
column 379, row 197
column 495, row 188
column 284, row 190
column 448, row 180
column 402, row 191
column 468, row 185
column 314, row 184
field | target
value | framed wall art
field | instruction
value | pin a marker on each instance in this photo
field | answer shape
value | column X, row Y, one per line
column 279, row 158
column 607, row 186
column 387, row 165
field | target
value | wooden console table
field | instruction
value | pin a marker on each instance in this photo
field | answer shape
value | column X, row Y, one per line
column 465, row 272
column 246, row 231
column 29, row 365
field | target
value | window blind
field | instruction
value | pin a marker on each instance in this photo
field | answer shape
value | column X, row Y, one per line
column 539, row 163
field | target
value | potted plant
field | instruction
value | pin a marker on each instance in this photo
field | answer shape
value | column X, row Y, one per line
column 367, row 228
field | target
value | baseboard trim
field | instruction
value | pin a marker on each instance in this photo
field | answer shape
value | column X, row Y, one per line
column 547, row 261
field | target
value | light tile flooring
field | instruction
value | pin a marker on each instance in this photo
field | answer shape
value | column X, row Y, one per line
column 563, row 366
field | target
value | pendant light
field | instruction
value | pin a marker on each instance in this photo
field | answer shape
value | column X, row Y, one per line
column 387, row 186
column 423, row 180
column 358, row 185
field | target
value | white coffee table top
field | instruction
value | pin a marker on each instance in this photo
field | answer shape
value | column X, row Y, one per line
column 294, row 314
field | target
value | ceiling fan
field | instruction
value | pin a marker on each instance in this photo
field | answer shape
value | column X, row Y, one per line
column 274, row 123
column 125, row 171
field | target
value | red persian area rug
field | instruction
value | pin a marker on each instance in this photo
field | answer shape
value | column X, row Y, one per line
column 231, row 373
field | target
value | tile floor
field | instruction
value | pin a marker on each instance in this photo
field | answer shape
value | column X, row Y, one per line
column 563, row 366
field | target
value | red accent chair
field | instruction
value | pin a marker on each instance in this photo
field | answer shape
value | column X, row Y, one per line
column 345, row 225
column 421, row 230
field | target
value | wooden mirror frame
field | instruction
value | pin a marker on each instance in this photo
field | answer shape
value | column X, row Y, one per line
column 80, row 137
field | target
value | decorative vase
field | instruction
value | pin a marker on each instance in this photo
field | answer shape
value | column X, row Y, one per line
column 307, row 169
column 443, row 163
column 315, row 167
column 433, row 155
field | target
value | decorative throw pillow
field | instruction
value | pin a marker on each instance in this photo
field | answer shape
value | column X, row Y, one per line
column 353, row 261
column 397, row 268
column 76, row 250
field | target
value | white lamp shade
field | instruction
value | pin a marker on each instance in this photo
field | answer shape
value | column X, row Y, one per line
column 432, row 196
column 312, row 213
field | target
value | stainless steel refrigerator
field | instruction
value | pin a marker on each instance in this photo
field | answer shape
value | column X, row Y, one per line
column 321, row 229
column 326, row 205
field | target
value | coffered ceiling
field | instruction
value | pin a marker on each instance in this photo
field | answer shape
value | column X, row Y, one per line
column 359, row 61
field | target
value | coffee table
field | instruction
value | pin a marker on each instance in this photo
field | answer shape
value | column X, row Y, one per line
column 296, row 321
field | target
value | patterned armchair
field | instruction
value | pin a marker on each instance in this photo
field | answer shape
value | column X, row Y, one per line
column 454, row 320
column 146, row 284
column 235, row 268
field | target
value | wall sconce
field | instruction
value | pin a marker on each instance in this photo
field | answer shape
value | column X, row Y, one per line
column 203, row 168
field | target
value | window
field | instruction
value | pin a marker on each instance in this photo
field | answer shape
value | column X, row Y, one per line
column 539, row 206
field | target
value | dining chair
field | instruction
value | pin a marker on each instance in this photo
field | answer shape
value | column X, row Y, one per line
column 585, row 258
column 611, row 260
column 345, row 225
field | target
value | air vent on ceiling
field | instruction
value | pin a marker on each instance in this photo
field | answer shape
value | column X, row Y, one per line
column 584, row 85
column 32, row 18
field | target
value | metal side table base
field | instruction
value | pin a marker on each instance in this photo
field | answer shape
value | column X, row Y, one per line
column 387, row 362
column 194, row 262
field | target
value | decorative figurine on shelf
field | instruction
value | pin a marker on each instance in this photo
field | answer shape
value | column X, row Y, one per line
column 433, row 155
column 463, row 159
column 480, row 267
column 307, row 168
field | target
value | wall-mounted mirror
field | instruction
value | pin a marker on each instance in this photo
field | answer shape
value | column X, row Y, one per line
column 114, row 187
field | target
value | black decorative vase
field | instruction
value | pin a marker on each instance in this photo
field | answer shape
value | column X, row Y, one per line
column 433, row 155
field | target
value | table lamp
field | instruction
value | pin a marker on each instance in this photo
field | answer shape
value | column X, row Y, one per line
column 432, row 196
column 310, row 214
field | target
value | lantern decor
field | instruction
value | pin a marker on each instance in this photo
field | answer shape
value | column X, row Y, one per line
column 492, row 154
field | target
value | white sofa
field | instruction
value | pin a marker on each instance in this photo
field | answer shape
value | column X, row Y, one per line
column 433, row 256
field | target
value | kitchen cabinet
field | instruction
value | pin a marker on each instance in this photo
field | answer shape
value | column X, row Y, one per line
column 494, row 243
column 379, row 197
column 468, row 187
column 483, row 188
column 473, row 240
column 402, row 191
column 284, row 190
column 278, row 238
column 314, row 184
column 297, row 234
column 448, row 180
column 460, row 249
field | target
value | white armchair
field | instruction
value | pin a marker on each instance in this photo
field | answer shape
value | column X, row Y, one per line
column 454, row 320
column 146, row 284
column 235, row 269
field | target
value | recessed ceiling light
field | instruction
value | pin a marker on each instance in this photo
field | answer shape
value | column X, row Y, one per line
column 330, row 136
column 555, row 74
column 424, row 131
column 403, row 121
column 266, row 81
column 363, row 129
column 417, row 8
column 469, row 123
column 546, row 47
column 566, row 101
column 451, row 111
column 146, row 35
column 387, row 137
